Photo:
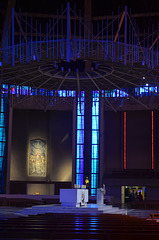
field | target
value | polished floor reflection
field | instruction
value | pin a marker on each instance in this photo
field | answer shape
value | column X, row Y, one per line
column 14, row 212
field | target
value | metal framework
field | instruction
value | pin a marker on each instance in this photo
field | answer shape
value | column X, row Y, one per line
column 70, row 55
column 38, row 56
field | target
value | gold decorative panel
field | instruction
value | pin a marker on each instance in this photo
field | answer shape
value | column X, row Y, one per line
column 37, row 158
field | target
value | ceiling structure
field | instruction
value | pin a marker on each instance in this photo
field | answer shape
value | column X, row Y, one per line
column 70, row 50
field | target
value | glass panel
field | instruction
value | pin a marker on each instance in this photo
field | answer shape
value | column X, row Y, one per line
column 80, row 122
column 80, row 149
column 95, row 137
column 95, row 151
column 95, row 122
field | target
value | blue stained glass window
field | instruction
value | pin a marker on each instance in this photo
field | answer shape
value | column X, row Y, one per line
column 95, row 166
column 4, row 88
column 1, row 120
column 3, row 117
column 80, row 140
column 80, row 136
column 95, row 108
column 34, row 91
column 152, row 90
column 71, row 93
column 62, row 93
column 79, row 179
column 95, row 136
column 144, row 90
column 137, row 91
column 79, row 166
column 113, row 93
column 95, row 151
column 26, row 90
column 80, row 149
column 95, row 122
column 51, row 93
column 80, row 109
column 1, row 161
column 80, row 122
column 123, row 93
column 95, row 143
column 107, row 93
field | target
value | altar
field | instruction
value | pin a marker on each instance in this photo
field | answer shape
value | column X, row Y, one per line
column 74, row 197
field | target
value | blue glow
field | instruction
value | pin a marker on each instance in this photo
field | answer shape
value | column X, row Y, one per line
column 71, row 93
column 95, row 143
column 107, row 93
column 95, row 151
column 79, row 166
column 145, row 90
column 62, row 93
column 0, row 64
column 34, row 92
column 3, row 113
column 80, row 149
column 34, row 57
column 80, row 122
column 80, row 141
column 152, row 90
column 123, row 93
column 80, row 136
column 95, row 122
column 113, row 93
column 95, row 136
column 26, row 90
column 12, row 89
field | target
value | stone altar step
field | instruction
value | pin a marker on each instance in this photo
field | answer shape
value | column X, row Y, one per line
column 57, row 208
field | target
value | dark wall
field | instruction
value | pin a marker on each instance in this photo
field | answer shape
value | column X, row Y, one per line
column 60, row 145
column 53, row 126
column 113, row 140
column 139, row 140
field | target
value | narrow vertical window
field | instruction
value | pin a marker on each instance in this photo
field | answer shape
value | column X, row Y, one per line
column 3, row 112
column 80, row 140
column 95, row 143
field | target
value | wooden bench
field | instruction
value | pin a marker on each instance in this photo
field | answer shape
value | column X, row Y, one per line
column 79, row 226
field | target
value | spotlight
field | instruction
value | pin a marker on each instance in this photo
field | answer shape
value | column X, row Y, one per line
column 143, row 77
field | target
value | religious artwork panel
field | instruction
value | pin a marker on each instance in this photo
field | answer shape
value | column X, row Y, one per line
column 37, row 158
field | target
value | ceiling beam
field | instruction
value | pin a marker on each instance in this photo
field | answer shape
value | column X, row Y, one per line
column 135, row 15
column 10, row 5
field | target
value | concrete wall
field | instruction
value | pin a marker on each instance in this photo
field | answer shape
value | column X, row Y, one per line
column 139, row 140
column 112, row 141
column 53, row 126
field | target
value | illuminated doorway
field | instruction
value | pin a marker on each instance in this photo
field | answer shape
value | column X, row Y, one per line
column 132, row 193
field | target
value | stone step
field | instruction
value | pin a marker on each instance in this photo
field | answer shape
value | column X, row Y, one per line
column 55, row 208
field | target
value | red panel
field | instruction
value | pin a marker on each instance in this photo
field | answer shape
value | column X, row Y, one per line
column 152, row 143
column 124, row 140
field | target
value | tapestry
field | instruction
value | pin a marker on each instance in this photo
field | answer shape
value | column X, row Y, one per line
column 37, row 158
